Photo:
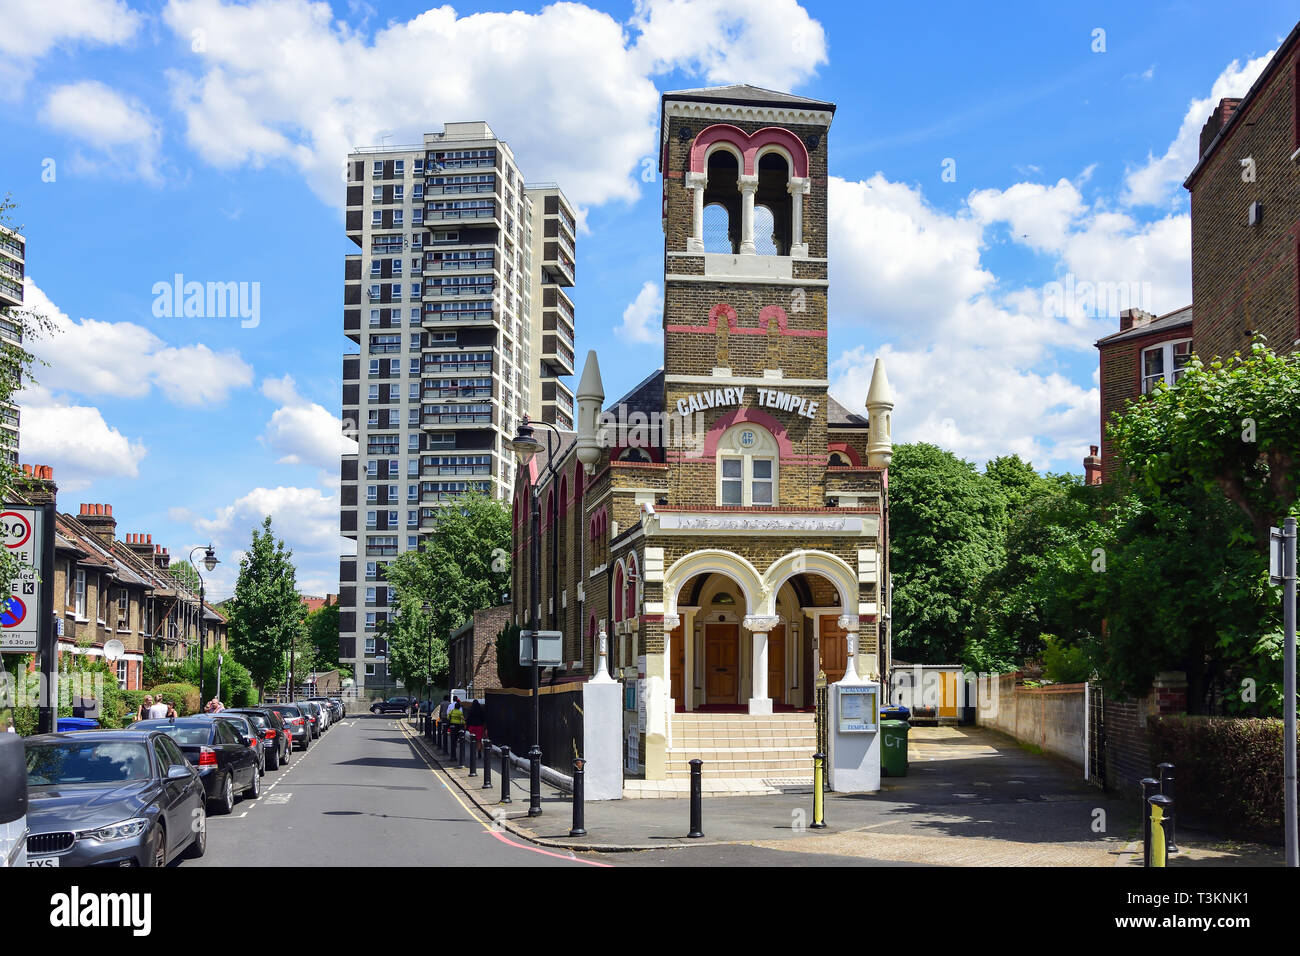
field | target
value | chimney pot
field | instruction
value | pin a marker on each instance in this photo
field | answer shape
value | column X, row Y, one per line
column 108, row 510
column 1092, row 450
column 149, row 538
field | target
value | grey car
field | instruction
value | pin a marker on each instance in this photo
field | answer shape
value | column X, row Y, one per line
column 111, row 798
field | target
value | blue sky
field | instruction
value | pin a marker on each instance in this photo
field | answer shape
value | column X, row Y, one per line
column 146, row 138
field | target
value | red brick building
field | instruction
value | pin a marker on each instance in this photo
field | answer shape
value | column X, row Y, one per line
column 1245, row 198
column 1146, row 350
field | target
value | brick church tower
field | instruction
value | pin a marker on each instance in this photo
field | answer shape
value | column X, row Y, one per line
column 734, row 520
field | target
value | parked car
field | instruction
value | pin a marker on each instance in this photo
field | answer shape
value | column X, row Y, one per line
column 394, row 705
column 342, row 705
column 224, row 761
column 312, row 711
column 249, row 734
column 13, row 801
column 334, row 707
column 112, row 797
column 276, row 740
column 296, row 722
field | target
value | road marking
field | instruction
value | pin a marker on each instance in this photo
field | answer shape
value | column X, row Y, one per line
column 277, row 798
column 477, row 818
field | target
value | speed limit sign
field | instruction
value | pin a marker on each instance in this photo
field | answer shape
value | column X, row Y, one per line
column 22, row 533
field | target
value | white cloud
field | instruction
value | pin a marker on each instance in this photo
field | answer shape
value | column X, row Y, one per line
column 33, row 27
column 771, row 43
column 1039, row 216
column 1158, row 181
column 75, row 440
column 303, row 432
column 643, row 316
column 307, row 519
column 125, row 360
column 122, row 132
column 283, row 81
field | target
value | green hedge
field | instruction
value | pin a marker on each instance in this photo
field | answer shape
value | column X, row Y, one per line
column 184, row 697
column 1227, row 772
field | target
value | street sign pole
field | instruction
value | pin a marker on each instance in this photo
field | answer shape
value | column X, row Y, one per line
column 49, row 642
column 1288, row 686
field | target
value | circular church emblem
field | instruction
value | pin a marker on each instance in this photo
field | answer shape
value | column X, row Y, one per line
column 747, row 439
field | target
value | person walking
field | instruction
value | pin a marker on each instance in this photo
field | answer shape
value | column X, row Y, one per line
column 476, row 722
column 142, row 712
column 160, row 709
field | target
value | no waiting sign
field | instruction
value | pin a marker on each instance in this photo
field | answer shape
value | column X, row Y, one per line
column 22, row 533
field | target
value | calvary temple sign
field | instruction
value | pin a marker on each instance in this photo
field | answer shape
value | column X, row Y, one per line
column 767, row 397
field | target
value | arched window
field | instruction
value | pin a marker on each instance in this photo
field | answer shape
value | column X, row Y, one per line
column 634, row 454
column 772, row 206
column 838, row 460
column 747, row 462
column 564, row 495
column 722, row 204
column 618, row 593
column 633, row 580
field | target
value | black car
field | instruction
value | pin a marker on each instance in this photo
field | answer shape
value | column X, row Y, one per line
column 394, row 705
column 112, row 798
column 276, row 740
column 249, row 734
column 296, row 722
column 225, row 763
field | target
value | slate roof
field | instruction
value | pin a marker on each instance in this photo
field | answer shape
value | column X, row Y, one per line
column 1167, row 322
column 744, row 94
column 837, row 416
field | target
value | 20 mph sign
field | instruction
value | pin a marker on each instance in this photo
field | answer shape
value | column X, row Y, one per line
column 22, row 533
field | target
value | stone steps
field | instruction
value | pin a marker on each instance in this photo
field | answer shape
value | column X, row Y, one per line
column 741, row 747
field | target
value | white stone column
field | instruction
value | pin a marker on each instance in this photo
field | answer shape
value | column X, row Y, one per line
column 696, row 182
column 748, row 186
column 760, row 625
column 797, row 188
column 688, row 664
column 671, row 621
column 850, row 623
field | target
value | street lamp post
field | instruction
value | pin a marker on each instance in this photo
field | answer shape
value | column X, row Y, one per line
column 525, row 447
column 428, row 677
column 209, row 561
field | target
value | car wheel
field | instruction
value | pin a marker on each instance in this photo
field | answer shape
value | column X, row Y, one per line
column 274, row 760
column 306, row 741
column 255, row 788
column 158, row 852
column 199, row 845
column 225, row 800
column 288, row 752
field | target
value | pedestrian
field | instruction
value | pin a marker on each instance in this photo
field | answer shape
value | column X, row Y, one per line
column 142, row 712
column 456, row 716
column 476, row 721
column 160, row 709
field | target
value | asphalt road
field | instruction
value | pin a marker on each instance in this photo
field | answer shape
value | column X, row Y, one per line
column 361, row 796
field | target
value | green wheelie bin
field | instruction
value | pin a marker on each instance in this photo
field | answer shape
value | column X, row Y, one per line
column 893, row 748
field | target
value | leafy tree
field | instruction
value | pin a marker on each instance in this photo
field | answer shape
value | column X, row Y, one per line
column 1231, row 427
column 410, row 638
column 462, row 567
column 509, row 671
column 323, row 633
column 265, row 613
column 947, row 525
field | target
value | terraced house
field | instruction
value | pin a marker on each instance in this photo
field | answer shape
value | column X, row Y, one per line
column 731, row 536
column 109, row 589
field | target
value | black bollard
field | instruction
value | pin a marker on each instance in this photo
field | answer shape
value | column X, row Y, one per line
column 472, row 743
column 1150, row 787
column 460, row 746
column 441, row 737
column 1167, row 788
column 697, row 799
column 579, row 824
column 487, row 763
column 535, row 781
column 505, row 775
column 428, row 724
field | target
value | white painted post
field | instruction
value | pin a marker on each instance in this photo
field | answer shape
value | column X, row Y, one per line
column 602, row 730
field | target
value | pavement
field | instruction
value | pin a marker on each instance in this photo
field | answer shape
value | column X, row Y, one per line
column 972, row 797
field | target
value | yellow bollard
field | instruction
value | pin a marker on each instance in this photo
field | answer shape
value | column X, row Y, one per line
column 1161, row 808
column 819, row 786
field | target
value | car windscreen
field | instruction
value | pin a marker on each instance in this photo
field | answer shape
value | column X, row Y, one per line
column 287, row 711
column 257, row 720
column 187, row 735
column 91, row 762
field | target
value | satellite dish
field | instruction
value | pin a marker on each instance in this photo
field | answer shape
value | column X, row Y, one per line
column 113, row 650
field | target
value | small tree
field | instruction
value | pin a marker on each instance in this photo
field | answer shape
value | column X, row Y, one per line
column 265, row 613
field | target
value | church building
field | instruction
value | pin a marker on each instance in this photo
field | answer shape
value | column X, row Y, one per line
column 725, row 522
